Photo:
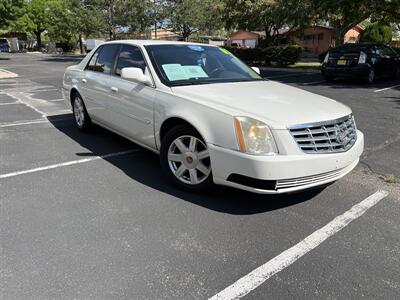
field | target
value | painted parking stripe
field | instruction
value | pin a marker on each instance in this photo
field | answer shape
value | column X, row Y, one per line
column 388, row 88
column 68, row 163
column 257, row 277
column 10, row 103
column 23, row 122
column 290, row 75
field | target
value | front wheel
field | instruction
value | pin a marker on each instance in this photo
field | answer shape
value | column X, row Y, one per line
column 81, row 117
column 185, row 159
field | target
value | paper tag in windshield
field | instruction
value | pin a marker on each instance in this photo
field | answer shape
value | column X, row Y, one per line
column 175, row 72
column 195, row 72
column 178, row 72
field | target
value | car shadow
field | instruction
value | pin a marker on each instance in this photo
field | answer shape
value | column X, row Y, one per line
column 313, row 78
column 63, row 58
column 143, row 167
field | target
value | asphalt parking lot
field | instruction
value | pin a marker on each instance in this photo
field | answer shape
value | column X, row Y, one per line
column 90, row 215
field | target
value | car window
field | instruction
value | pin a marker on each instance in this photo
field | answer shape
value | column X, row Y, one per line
column 387, row 51
column 191, row 64
column 105, row 60
column 92, row 63
column 129, row 57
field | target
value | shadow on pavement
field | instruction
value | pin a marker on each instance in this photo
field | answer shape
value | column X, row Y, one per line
column 314, row 78
column 144, row 167
column 63, row 58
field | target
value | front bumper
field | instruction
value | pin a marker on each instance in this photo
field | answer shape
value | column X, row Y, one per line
column 346, row 72
column 282, row 173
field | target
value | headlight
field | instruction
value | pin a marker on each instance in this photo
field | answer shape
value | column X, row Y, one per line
column 363, row 58
column 254, row 137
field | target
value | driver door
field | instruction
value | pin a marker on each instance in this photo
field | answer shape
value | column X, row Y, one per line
column 131, row 103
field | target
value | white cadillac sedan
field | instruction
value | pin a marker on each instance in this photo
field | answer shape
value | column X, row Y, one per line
column 211, row 118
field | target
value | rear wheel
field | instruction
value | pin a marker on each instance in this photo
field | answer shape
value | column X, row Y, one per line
column 185, row 159
column 396, row 73
column 371, row 76
column 81, row 117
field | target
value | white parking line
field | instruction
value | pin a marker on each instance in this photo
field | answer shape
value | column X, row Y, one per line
column 31, row 122
column 10, row 103
column 68, row 163
column 385, row 89
column 257, row 277
column 55, row 100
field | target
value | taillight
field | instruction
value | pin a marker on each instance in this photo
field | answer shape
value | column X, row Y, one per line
column 326, row 59
column 363, row 58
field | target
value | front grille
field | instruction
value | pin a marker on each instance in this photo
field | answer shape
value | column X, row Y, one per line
column 294, row 182
column 326, row 137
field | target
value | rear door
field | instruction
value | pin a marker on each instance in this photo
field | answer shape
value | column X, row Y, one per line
column 391, row 60
column 131, row 103
column 95, row 84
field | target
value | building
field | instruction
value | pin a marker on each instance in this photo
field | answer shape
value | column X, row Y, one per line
column 314, row 39
column 354, row 34
column 165, row 34
column 245, row 39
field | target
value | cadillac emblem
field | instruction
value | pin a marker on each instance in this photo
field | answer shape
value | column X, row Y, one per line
column 341, row 136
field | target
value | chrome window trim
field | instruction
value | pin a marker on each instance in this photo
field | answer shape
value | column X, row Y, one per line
column 316, row 124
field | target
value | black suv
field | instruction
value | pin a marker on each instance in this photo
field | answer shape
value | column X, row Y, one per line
column 364, row 61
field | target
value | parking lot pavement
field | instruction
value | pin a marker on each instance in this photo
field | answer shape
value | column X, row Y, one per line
column 90, row 216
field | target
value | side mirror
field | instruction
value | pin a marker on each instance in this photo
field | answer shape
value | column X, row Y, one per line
column 137, row 75
column 256, row 69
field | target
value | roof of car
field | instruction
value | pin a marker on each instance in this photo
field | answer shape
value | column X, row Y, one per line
column 154, row 42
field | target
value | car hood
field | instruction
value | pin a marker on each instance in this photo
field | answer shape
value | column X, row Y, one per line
column 277, row 104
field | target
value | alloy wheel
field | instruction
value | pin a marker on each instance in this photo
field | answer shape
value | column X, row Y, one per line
column 189, row 160
column 79, row 112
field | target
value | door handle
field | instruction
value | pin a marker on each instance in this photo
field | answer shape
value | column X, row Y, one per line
column 84, row 80
column 114, row 89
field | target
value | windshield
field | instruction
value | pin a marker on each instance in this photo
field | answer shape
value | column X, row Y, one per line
column 194, row 64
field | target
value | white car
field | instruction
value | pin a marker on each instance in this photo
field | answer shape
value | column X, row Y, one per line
column 212, row 118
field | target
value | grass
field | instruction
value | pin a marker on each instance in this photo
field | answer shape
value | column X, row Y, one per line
column 390, row 178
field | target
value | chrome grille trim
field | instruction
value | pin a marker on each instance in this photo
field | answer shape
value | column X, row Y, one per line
column 325, row 137
column 295, row 182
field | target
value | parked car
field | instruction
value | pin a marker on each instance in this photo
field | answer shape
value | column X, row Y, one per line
column 211, row 118
column 365, row 61
column 4, row 46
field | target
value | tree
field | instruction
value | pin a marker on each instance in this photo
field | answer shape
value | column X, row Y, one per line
column 189, row 16
column 378, row 33
column 37, row 17
column 268, row 15
column 342, row 15
column 10, row 10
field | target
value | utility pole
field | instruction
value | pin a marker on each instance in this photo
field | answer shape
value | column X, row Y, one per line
column 111, row 19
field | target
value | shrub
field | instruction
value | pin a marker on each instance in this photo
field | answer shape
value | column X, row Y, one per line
column 280, row 55
column 377, row 33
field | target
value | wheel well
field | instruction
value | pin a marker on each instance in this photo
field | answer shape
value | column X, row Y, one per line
column 72, row 94
column 171, row 123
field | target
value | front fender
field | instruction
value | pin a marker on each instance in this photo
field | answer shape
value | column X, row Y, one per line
column 216, row 127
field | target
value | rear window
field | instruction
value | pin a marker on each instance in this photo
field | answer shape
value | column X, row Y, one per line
column 352, row 48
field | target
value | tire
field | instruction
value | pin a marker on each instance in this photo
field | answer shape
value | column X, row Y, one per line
column 81, row 116
column 396, row 73
column 329, row 78
column 370, row 77
column 185, row 160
